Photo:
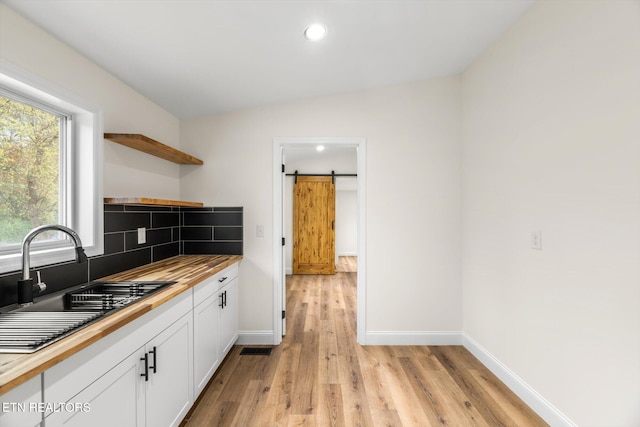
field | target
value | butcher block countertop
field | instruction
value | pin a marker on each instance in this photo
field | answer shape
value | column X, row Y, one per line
column 186, row 270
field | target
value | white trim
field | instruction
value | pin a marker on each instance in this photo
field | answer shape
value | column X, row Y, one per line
column 278, row 144
column 414, row 338
column 525, row 392
column 85, row 161
column 255, row 338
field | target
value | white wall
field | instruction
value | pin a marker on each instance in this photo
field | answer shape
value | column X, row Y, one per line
column 551, row 142
column 127, row 172
column 413, row 195
column 346, row 223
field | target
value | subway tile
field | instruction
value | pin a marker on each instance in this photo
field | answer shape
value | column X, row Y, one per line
column 218, row 248
column 113, row 243
column 196, row 233
column 213, row 218
column 165, row 219
column 227, row 233
column 114, row 208
column 161, row 252
column 123, row 221
column 110, row 264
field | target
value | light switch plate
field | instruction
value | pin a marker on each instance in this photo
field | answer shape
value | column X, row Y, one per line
column 536, row 240
column 142, row 235
column 259, row 230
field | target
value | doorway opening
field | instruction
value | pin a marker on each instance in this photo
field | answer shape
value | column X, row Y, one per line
column 281, row 244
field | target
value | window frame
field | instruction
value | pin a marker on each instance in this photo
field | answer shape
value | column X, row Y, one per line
column 64, row 178
column 81, row 157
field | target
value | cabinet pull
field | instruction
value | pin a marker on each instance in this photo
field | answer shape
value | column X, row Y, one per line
column 146, row 367
column 224, row 298
column 223, row 279
column 221, row 296
column 155, row 360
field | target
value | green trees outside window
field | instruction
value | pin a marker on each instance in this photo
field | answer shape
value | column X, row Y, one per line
column 29, row 169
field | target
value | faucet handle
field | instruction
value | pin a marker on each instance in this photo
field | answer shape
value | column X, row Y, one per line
column 40, row 286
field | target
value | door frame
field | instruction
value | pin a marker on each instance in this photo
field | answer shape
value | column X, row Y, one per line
column 279, row 291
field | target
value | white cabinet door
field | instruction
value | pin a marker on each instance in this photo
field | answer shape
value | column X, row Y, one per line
column 115, row 399
column 19, row 406
column 206, row 339
column 169, row 388
column 229, row 316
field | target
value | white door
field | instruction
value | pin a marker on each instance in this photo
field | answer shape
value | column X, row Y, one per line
column 229, row 316
column 115, row 399
column 169, row 390
column 206, row 339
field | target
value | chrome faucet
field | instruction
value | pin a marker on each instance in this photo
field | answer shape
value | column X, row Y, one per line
column 26, row 288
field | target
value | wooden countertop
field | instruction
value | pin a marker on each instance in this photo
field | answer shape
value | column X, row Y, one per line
column 186, row 270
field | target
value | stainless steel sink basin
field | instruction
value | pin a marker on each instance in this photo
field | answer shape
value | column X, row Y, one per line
column 28, row 331
column 50, row 318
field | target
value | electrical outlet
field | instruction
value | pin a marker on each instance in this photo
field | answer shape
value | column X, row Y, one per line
column 536, row 240
column 142, row 235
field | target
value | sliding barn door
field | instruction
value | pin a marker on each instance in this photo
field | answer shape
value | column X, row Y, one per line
column 314, row 212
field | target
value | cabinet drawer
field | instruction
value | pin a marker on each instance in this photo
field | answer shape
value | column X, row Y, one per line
column 210, row 286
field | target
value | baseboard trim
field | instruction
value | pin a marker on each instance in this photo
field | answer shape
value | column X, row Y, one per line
column 255, row 338
column 531, row 397
column 413, row 338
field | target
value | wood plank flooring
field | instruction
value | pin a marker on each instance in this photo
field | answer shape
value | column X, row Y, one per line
column 320, row 376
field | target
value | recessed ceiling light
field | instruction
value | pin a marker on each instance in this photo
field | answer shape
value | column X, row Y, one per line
column 315, row 32
column 320, row 148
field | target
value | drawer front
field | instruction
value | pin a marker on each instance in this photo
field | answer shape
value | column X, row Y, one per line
column 211, row 285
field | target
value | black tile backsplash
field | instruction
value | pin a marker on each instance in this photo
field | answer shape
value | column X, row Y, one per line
column 218, row 248
column 170, row 231
column 212, row 218
column 111, row 264
column 227, row 233
column 126, row 220
column 212, row 231
column 197, row 233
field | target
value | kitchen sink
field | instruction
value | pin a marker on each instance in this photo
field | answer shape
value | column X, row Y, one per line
column 30, row 328
column 28, row 331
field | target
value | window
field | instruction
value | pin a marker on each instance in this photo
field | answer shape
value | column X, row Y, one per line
column 33, row 177
column 50, row 157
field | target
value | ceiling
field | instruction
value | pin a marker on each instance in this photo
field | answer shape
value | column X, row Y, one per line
column 202, row 57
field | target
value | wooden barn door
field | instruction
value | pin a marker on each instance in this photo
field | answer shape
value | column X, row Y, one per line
column 314, row 211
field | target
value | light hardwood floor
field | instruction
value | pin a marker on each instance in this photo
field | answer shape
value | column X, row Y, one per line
column 320, row 376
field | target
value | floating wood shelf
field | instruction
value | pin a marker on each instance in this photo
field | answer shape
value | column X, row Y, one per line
column 149, row 202
column 153, row 147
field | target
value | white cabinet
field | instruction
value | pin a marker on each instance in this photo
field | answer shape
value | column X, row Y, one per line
column 215, row 323
column 167, row 374
column 115, row 399
column 147, row 373
column 111, row 375
column 206, row 341
column 20, row 406
column 229, row 316
column 151, row 387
